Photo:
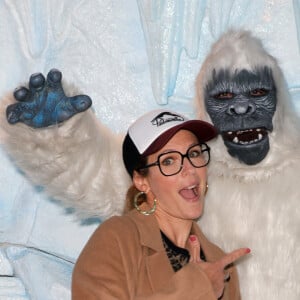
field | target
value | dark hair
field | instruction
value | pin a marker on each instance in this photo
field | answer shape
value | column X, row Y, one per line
column 132, row 190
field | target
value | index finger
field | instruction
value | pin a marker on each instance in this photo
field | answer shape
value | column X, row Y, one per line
column 233, row 256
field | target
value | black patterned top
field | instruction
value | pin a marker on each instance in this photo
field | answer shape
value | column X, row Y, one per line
column 178, row 257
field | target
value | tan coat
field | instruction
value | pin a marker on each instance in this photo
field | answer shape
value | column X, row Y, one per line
column 125, row 260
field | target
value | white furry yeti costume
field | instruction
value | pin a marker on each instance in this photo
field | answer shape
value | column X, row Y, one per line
column 256, row 205
column 79, row 162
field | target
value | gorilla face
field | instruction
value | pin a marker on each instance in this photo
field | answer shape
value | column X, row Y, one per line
column 241, row 105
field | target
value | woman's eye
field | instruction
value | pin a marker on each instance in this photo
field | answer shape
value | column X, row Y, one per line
column 195, row 153
column 259, row 92
column 167, row 161
column 224, row 95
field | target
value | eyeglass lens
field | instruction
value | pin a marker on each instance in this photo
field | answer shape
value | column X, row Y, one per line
column 171, row 163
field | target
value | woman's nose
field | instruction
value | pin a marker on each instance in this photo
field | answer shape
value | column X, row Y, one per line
column 187, row 166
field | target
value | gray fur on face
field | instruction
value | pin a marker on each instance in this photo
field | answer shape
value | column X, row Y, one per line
column 241, row 105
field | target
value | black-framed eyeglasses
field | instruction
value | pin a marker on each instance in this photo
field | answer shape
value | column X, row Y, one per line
column 171, row 163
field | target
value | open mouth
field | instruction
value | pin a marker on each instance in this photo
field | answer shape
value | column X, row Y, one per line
column 245, row 137
column 190, row 192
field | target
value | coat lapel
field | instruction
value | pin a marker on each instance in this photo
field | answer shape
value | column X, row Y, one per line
column 154, row 251
column 159, row 261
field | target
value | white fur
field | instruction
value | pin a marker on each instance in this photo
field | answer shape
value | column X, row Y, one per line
column 78, row 162
column 256, row 206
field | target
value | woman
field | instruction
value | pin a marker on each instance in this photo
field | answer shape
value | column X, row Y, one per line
column 156, row 250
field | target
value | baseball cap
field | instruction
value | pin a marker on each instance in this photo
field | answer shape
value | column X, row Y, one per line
column 153, row 130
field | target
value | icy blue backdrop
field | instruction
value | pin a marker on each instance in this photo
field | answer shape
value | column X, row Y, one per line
column 129, row 56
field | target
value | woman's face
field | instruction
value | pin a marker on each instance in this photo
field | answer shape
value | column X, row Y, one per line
column 181, row 195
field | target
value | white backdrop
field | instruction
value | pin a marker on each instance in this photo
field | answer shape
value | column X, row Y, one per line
column 129, row 56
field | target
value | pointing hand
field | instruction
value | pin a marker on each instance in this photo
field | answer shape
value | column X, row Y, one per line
column 215, row 271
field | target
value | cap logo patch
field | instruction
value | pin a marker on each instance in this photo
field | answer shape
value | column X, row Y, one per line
column 166, row 117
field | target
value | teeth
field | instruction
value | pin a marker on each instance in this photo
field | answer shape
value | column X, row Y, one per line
column 247, row 130
column 191, row 187
column 247, row 136
column 237, row 141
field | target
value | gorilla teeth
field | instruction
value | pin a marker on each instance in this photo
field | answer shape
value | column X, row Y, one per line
column 245, row 137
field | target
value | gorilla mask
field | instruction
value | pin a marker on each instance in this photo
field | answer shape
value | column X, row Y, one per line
column 241, row 104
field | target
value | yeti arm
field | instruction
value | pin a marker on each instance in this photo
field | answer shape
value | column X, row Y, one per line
column 78, row 161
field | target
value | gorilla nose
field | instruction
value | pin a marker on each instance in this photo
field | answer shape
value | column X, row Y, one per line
column 241, row 108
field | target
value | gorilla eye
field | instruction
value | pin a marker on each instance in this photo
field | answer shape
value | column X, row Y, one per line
column 259, row 92
column 224, row 95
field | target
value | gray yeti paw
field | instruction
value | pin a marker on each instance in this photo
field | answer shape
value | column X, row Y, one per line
column 44, row 103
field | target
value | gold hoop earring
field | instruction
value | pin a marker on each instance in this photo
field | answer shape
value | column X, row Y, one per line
column 206, row 189
column 143, row 212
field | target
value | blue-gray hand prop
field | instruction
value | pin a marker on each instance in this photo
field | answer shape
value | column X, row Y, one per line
column 44, row 103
